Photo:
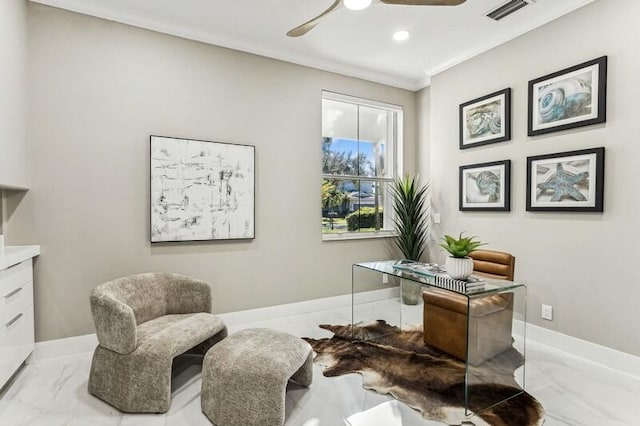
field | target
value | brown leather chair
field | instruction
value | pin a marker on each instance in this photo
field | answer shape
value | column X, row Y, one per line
column 445, row 313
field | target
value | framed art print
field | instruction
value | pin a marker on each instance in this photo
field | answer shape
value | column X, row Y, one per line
column 485, row 186
column 573, row 97
column 486, row 120
column 201, row 190
column 570, row 181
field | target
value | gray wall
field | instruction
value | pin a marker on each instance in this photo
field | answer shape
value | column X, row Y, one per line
column 13, row 40
column 2, row 207
column 98, row 90
column 423, row 157
column 579, row 263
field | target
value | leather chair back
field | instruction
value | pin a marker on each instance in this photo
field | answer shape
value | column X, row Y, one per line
column 493, row 264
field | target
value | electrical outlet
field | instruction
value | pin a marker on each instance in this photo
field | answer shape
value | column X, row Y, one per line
column 436, row 218
column 547, row 312
column 385, row 279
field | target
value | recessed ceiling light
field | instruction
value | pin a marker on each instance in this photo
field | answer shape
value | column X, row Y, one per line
column 357, row 4
column 401, row 35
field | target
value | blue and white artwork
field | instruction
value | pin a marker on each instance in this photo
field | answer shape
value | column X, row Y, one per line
column 566, row 99
column 485, row 186
column 566, row 182
column 571, row 181
column 201, row 190
column 570, row 98
column 486, row 120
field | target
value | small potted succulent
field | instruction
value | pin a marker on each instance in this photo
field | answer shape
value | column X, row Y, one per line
column 459, row 265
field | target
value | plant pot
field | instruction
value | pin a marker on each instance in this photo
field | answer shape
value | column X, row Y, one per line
column 411, row 292
column 459, row 268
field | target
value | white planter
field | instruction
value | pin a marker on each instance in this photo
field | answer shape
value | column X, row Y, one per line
column 459, row 268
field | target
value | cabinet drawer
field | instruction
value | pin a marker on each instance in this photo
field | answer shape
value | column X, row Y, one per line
column 18, row 300
column 16, row 343
column 15, row 276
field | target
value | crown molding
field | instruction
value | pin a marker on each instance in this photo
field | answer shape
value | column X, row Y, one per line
column 308, row 60
column 514, row 33
column 221, row 41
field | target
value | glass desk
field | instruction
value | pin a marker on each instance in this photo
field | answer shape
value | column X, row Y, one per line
column 482, row 325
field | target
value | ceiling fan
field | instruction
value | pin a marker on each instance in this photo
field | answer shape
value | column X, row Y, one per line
column 301, row 30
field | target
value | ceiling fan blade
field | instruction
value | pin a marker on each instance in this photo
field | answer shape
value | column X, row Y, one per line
column 309, row 25
column 425, row 2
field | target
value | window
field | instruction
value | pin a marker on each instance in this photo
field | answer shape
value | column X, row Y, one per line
column 361, row 155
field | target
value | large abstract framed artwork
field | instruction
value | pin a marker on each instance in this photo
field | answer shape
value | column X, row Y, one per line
column 573, row 97
column 201, row 190
column 486, row 120
column 570, row 181
column 485, row 186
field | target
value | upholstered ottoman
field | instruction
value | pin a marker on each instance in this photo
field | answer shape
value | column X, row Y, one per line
column 244, row 377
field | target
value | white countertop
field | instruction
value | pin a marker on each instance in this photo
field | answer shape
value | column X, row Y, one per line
column 12, row 255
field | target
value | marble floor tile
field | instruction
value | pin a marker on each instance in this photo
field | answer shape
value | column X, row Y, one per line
column 573, row 391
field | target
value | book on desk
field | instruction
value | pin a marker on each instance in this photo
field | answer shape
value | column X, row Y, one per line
column 439, row 273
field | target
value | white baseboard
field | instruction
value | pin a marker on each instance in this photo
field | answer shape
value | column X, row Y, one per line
column 618, row 360
column 63, row 347
column 599, row 354
column 87, row 343
column 297, row 308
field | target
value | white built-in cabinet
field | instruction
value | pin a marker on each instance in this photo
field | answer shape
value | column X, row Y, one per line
column 16, row 308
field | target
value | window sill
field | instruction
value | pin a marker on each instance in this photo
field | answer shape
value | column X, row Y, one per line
column 358, row 236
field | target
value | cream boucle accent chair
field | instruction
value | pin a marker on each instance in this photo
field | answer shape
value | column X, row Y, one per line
column 143, row 322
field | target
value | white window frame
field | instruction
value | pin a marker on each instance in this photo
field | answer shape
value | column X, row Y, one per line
column 397, row 149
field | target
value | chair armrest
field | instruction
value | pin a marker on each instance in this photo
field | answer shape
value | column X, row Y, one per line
column 115, row 323
column 186, row 295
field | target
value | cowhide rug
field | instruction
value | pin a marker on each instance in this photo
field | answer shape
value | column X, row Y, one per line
column 399, row 363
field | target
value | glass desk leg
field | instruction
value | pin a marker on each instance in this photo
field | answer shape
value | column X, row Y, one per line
column 495, row 361
column 374, row 299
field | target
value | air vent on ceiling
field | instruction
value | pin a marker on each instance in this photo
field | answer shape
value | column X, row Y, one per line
column 507, row 9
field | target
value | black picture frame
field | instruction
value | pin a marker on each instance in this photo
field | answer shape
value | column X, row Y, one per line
column 588, row 165
column 547, row 102
column 486, row 109
column 471, row 198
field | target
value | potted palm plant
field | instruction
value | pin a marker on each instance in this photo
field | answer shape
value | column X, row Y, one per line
column 459, row 264
column 412, row 226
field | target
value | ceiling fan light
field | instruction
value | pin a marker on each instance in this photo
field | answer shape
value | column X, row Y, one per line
column 401, row 35
column 357, row 4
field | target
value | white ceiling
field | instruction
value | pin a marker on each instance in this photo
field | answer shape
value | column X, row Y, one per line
column 355, row 43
